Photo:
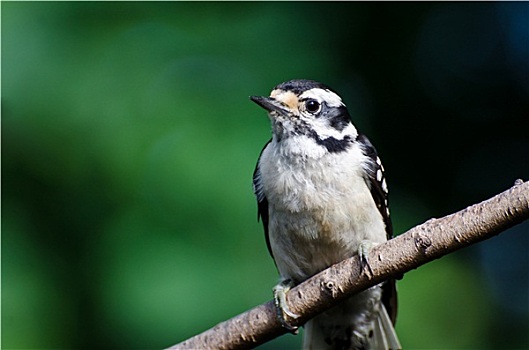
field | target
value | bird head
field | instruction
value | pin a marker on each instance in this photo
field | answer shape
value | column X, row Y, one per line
column 306, row 108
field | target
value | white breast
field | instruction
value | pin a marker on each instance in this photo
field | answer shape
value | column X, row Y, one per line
column 320, row 207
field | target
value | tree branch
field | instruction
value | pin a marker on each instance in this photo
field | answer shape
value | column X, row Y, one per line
column 421, row 244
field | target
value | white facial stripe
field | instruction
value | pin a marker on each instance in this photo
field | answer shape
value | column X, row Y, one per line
column 322, row 95
column 325, row 131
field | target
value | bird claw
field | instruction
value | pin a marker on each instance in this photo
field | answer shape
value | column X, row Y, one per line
column 282, row 309
column 363, row 252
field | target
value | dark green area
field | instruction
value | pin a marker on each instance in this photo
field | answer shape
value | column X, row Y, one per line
column 129, row 142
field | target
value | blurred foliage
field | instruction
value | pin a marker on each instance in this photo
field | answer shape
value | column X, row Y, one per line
column 128, row 145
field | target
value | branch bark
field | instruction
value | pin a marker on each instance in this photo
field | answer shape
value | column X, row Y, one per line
column 421, row 244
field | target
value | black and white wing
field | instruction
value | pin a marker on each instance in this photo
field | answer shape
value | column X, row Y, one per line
column 379, row 190
column 377, row 181
column 262, row 202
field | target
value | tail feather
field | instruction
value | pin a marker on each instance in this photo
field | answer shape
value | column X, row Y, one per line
column 384, row 336
column 313, row 337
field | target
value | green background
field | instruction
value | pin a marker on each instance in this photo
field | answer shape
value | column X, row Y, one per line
column 129, row 142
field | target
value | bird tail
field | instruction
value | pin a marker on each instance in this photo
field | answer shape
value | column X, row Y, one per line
column 313, row 336
column 383, row 337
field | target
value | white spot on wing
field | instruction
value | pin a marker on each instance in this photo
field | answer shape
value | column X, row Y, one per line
column 379, row 175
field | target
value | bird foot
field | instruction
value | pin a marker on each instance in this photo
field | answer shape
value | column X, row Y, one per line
column 282, row 309
column 363, row 252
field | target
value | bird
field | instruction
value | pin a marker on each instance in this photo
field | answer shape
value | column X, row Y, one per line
column 322, row 197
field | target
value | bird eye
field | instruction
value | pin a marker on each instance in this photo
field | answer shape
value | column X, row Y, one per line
column 312, row 106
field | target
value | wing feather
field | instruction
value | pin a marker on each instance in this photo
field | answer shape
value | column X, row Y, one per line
column 376, row 179
column 262, row 202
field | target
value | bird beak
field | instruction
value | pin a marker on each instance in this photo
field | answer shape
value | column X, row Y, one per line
column 270, row 104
